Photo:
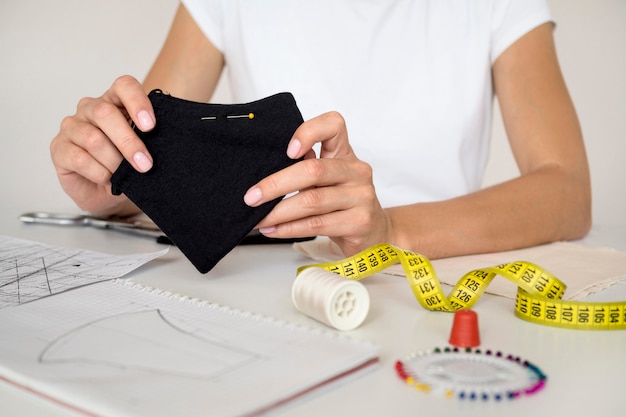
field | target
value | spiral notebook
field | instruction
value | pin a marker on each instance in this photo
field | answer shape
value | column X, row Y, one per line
column 119, row 349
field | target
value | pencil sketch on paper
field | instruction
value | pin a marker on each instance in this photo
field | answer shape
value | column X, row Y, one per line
column 121, row 342
column 32, row 270
column 120, row 348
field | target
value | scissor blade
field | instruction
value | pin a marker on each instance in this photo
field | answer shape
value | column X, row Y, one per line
column 124, row 222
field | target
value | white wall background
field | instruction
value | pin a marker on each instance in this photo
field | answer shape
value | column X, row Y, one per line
column 52, row 53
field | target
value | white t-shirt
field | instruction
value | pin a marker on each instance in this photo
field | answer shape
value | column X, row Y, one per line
column 411, row 78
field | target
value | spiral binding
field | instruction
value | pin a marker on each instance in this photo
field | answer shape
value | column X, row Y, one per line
column 238, row 312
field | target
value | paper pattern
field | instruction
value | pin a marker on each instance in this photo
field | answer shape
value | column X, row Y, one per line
column 31, row 270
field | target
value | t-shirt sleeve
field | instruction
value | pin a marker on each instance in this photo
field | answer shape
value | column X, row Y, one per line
column 209, row 18
column 513, row 19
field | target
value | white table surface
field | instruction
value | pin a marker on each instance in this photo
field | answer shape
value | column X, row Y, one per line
column 586, row 369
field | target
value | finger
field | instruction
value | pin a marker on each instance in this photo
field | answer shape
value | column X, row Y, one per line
column 115, row 127
column 88, row 195
column 310, row 154
column 353, row 230
column 307, row 174
column 92, row 140
column 329, row 129
column 68, row 158
column 300, row 176
column 314, row 201
column 128, row 93
column 335, row 224
column 109, row 114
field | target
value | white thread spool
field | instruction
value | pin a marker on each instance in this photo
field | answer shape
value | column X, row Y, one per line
column 330, row 298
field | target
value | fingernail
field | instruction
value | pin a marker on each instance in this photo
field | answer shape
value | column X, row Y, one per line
column 294, row 148
column 253, row 196
column 143, row 162
column 267, row 230
column 146, row 122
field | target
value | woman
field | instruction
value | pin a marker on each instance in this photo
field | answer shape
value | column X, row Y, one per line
column 412, row 81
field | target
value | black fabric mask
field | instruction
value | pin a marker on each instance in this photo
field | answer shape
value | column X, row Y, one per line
column 206, row 156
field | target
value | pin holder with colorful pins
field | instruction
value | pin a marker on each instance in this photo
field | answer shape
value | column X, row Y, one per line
column 471, row 374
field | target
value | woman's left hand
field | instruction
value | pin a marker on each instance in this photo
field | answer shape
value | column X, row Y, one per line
column 334, row 194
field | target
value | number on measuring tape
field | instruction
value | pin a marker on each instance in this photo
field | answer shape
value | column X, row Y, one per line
column 539, row 294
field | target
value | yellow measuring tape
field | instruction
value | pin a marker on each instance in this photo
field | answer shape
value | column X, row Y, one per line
column 539, row 293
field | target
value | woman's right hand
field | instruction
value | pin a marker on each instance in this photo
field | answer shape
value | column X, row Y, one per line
column 92, row 143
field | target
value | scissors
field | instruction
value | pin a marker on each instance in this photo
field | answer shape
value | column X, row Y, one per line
column 133, row 226
column 124, row 224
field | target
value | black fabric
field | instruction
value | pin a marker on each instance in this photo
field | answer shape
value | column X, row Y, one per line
column 202, row 169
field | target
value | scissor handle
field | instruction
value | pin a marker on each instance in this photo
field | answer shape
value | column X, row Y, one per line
column 53, row 218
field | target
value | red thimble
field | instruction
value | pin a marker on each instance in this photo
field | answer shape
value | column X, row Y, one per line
column 465, row 329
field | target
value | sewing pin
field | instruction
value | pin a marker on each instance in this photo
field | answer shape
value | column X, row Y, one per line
column 249, row 116
column 239, row 116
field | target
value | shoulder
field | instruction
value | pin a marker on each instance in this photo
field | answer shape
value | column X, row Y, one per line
column 512, row 19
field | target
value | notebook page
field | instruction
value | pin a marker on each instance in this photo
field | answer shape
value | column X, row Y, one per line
column 118, row 349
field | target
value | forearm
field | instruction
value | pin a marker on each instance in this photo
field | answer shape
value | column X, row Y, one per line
column 550, row 201
column 189, row 65
column 546, row 205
